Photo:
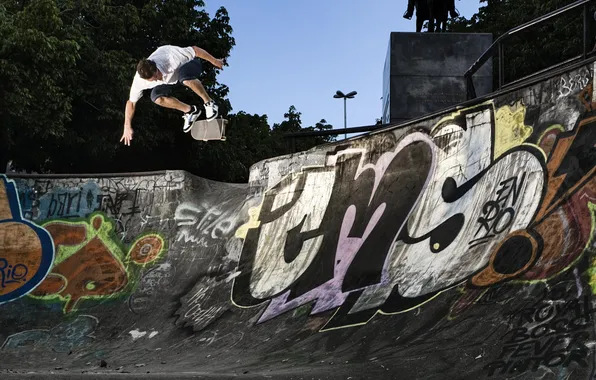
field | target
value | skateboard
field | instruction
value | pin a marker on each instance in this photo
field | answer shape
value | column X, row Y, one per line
column 209, row 130
column 205, row 130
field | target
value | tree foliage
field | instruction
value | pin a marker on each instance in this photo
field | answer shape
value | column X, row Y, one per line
column 293, row 124
column 250, row 139
column 37, row 57
column 67, row 67
column 540, row 46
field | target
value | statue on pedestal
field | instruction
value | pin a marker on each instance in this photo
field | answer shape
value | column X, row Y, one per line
column 436, row 12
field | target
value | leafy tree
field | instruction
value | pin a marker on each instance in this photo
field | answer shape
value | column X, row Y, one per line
column 67, row 67
column 248, row 141
column 293, row 124
column 37, row 57
column 536, row 48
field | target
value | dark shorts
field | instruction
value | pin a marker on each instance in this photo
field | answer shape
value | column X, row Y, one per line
column 190, row 70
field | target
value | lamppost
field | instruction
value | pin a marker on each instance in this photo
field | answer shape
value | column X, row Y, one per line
column 349, row 95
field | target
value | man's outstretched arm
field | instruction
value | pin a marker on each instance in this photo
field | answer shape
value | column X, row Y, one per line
column 128, row 115
column 201, row 53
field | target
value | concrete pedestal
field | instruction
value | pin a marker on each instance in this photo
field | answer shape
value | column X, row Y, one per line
column 423, row 72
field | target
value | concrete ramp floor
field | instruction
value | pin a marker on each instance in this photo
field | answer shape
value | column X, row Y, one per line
column 461, row 247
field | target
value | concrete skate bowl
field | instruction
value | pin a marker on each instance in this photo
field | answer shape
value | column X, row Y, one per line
column 457, row 247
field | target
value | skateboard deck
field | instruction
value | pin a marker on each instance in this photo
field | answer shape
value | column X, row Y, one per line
column 209, row 130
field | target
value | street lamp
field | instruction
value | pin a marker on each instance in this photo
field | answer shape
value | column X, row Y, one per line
column 349, row 95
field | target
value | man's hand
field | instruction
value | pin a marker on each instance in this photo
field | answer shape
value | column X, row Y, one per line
column 128, row 114
column 218, row 63
column 127, row 135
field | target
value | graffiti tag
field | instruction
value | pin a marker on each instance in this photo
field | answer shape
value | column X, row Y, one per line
column 10, row 274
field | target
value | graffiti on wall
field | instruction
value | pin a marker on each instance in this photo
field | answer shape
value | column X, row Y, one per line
column 90, row 262
column 26, row 250
column 574, row 82
column 479, row 200
column 204, row 224
column 117, row 197
column 61, row 338
column 551, row 332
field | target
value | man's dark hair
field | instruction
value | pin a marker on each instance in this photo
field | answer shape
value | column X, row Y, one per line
column 146, row 68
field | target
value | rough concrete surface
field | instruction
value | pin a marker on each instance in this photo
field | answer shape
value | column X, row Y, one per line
column 461, row 248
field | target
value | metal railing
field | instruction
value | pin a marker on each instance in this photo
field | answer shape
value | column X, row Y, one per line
column 291, row 137
column 497, row 45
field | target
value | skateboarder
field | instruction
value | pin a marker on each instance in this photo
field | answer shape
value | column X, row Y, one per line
column 166, row 67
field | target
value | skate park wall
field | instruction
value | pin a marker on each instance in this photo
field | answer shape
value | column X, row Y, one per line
column 458, row 246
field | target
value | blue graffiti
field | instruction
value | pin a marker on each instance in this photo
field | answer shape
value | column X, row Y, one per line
column 11, row 215
column 10, row 274
column 62, row 338
column 70, row 203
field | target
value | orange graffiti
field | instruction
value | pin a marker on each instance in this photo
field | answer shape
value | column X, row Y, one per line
column 90, row 264
column 563, row 225
column 146, row 249
column 26, row 250
column 566, row 233
column 558, row 155
column 518, row 243
column 91, row 271
column 21, row 253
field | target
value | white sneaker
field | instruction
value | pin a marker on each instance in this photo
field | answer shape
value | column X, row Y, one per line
column 190, row 117
column 211, row 110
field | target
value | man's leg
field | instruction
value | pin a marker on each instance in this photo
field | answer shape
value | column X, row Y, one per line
column 160, row 96
column 189, row 74
column 169, row 102
column 197, row 87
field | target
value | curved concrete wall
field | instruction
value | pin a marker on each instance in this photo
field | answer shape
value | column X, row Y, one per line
column 460, row 247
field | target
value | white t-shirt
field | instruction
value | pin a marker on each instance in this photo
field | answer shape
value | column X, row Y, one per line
column 168, row 59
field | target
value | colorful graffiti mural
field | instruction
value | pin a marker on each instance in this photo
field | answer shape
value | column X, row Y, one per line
column 476, row 227
column 26, row 250
column 481, row 199
column 72, row 251
column 90, row 264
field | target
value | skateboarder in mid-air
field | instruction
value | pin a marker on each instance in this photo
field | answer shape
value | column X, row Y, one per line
column 161, row 71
